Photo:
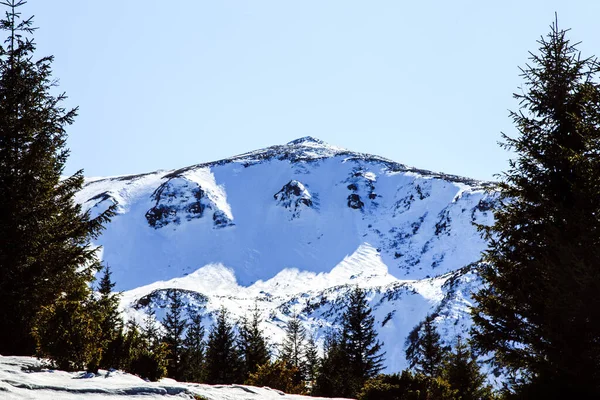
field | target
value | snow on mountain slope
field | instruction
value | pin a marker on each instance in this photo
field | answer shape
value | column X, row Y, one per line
column 292, row 228
column 23, row 378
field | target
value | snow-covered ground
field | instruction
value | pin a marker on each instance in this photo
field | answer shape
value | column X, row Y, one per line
column 291, row 228
column 23, row 378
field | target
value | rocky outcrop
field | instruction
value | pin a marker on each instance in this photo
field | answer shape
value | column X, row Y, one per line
column 355, row 202
column 294, row 196
column 181, row 199
column 361, row 182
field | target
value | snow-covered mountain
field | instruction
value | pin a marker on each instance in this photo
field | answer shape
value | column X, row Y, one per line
column 292, row 228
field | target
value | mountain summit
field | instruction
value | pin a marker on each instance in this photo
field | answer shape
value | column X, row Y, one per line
column 293, row 227
column 306, row 140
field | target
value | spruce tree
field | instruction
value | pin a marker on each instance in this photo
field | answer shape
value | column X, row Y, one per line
column 293, row 343
column 408, row 386
column 46, row 257
column 193, row 348
column 292, row 349
column 148, row 352
column 174, row 325
column 537, row 312
column 116, row 355
column 277, row 375
column 462, row 373
column 425, row 351
column 149, row 330
column 334, row 370
column 111, row 323
column 359, row 340
column 108, row 303
column 311, row 355
column 252, row 343
column 66, row 333
column 133, row 341
column 223, row 364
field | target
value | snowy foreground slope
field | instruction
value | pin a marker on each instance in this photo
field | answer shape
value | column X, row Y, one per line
column 22, row 378
column 292, row 228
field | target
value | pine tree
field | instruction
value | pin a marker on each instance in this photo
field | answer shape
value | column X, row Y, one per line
column 108, row 303
column 148, row 353
column 174, row 325
column 334, row 370
column 149, row 331
column 133, row 341
column 252, row 343
column 223, row 364
column 425, row 351
column 538, row 311
column 116, row 355
column 359, row 341
column 111, row 323
column 352, row 356
column 292, row 349
column 293, row 343
column 46, row 257
column 277, row 375
column 66, row 333
column 408, row 386
column 311, row 355
column 194, row 348
column 461, row 371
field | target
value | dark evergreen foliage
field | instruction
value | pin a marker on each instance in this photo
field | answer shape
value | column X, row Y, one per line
column 149, row 362
column 147, row 353
column 133, row 342
column 149, row 330
column 538, row 312
column 46, row 261
column 293, row 343
column 115, row 355
column 174, row 324
column 352, row 356
column 311, row 356
column 463, row 374
column 292, row 349
column 111, row 325
column 334, row 372
column 425, row 351
column 278, row 375
column 359, row 340
column 66, row 333
column 407, row 386
column 193, row 348
column 223, row 364
column 252, row 343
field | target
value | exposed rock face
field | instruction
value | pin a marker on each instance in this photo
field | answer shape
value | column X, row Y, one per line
column 182, row 199
column 101, row 202
column 362, row 185
column 355, row 202
column 221, row 219
column 175, row 199
column 159, row 298
column 294, row 196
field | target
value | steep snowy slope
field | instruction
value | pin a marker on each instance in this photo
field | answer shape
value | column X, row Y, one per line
column 291, row 228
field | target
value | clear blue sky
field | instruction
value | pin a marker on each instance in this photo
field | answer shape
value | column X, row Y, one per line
column 165, row 84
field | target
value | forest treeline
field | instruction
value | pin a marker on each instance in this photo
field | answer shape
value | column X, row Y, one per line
column 536, row 316
column 348, row 364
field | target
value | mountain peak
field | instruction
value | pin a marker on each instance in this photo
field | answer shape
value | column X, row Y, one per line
column 306, row 140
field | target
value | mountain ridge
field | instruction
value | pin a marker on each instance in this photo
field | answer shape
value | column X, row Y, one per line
column 292, row 228
column 314, row 143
